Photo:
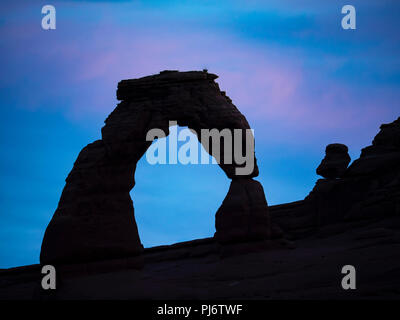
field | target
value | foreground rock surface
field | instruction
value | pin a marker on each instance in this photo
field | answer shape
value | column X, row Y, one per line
column 309, row 270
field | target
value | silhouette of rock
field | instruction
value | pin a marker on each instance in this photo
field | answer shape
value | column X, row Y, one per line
column 244, row 205
column 389, row 136
column 95, row 216
column 335, row 162
column 368, row 189
column 383, row 154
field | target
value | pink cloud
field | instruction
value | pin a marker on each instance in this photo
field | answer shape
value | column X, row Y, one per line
column 267, row 83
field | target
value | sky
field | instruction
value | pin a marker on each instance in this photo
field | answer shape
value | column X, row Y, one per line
column 299, row 78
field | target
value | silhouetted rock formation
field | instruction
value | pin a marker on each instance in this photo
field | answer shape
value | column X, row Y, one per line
column 95, row 216
column 382, row 155
column 335, row 162
column 368, row 189
column 243, row 214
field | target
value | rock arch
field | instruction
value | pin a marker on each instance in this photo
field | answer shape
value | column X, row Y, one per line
column 95, row 215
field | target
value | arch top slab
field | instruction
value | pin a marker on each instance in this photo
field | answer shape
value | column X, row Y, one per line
column 191, row 98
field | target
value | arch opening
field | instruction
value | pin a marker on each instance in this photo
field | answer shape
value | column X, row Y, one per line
column 176, row 202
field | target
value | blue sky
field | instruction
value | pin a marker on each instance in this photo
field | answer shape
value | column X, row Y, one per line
column 300, row 79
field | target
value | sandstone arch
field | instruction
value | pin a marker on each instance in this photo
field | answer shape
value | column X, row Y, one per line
column 95, row 216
